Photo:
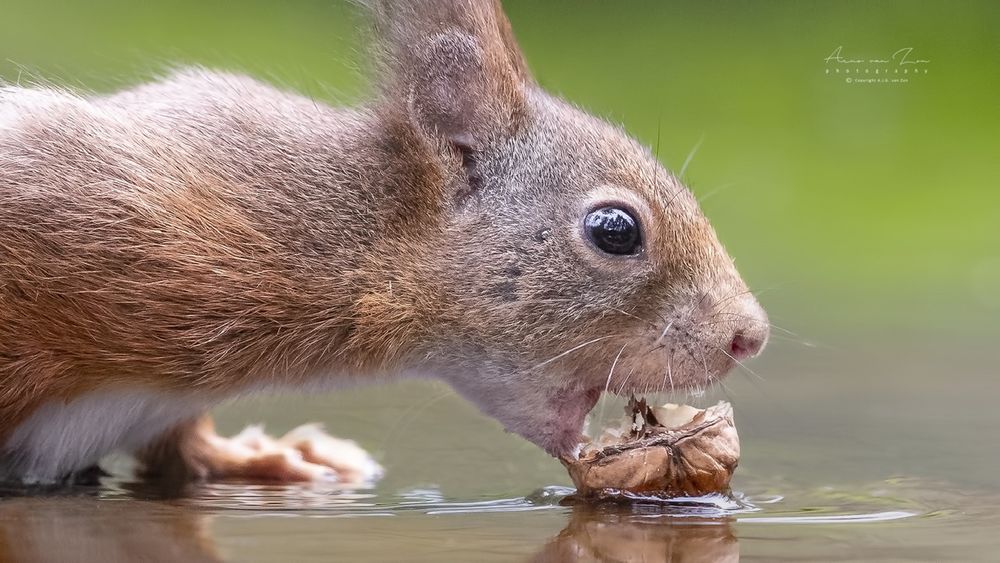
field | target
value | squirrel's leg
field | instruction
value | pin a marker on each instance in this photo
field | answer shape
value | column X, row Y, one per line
column 194, row 451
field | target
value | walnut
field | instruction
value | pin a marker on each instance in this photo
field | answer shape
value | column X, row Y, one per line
column 674, row 450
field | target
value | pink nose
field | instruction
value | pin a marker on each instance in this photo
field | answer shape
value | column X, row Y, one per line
column 745, row 346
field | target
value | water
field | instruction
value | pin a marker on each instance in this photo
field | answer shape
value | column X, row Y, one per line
column 260, row 523
column 851, row 452
column 867, row 215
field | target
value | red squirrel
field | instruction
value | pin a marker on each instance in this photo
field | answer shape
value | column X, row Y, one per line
column 184, row 242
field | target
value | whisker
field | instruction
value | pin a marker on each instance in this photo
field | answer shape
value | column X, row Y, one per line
column 704, row 295
column 637, row 317
column 607, row 384
column 595, row 306
column 613, row 364
column 677, row 192
column 690, row 156
column 708, row 376
column 763, row 290
column 756, row 384
column 749, row 318
column 802, row 342
column 573, row 349
column 621, row 388
column 756, row 292
column 411, row 414
column 656, row 153
column 690, row 353
column 664, row 333
column 653, row 349
column 704, row 363
column 714, row 191
column 741, row 364
column 670, row 374
column 725, row 389
column 722, row 302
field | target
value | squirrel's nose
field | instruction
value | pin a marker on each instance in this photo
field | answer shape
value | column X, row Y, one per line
column 746, row 334
column 749, row 339
column 745, row 346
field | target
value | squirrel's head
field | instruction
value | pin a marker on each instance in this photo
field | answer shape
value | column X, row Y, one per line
column 562, row 258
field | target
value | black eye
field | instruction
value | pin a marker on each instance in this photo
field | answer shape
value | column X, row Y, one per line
column 613, row 230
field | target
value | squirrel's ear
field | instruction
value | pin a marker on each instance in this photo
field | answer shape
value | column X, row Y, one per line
column 455, row 66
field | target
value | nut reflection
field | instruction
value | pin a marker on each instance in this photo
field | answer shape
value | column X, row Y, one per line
column 627, row 533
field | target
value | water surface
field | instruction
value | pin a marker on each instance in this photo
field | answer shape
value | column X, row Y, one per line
column 879, row 453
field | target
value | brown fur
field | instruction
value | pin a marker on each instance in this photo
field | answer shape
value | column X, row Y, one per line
column 210, row 233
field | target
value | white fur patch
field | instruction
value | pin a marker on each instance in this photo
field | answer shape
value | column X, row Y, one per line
column 17, row 102
column 60, row 438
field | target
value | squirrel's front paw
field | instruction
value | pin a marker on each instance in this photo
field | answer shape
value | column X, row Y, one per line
column 194, row 451
column 306, row 453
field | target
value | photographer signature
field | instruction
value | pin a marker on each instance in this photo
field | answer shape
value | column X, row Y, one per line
column 900, row 57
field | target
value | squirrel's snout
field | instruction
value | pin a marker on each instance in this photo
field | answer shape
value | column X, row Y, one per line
column 750, row 335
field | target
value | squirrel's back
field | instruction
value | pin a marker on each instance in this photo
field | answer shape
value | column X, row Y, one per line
column 147, row 235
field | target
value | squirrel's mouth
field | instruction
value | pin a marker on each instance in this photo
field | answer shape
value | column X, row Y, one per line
column 553, row 417
column 569, row 411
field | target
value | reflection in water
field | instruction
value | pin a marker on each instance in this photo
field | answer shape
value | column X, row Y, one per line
column 123, row 522
column 119, row 523
column 80, row 529
column 620, row 533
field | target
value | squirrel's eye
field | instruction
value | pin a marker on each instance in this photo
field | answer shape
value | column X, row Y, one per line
column 613, row 230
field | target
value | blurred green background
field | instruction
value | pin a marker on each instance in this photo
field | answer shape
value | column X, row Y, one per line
column 867, row 214
column 868, row 206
